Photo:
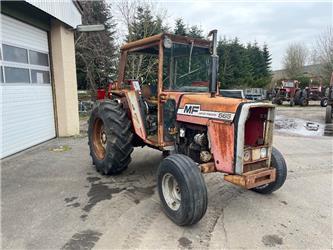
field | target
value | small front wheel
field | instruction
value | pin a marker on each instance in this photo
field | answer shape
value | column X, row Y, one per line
column 292, row 103
column 277, row 162
column 304, row 102
column 329, row 114
column 182, row 189
column 323, row 102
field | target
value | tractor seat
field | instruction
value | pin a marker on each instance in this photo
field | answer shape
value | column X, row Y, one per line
column 148, row 96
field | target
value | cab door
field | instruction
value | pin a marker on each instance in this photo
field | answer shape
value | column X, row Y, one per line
column 166, row 107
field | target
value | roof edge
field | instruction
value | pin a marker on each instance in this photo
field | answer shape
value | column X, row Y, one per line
column 158, row 37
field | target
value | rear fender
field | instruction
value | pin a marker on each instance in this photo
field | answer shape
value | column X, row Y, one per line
column 137, row 120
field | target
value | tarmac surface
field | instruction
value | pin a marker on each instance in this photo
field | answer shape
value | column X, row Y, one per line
column 52, row 198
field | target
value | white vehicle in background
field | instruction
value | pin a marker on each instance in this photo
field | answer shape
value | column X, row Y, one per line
column 232, row 93
column 255, row 94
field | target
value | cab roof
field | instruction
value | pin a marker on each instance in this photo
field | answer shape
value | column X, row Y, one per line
column 159, row 37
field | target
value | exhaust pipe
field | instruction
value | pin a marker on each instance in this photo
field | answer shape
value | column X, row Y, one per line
column 214, row 64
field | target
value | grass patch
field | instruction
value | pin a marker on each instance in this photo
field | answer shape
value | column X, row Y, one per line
column 62, row 148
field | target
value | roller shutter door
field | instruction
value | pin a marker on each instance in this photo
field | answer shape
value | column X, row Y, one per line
column 26, row 103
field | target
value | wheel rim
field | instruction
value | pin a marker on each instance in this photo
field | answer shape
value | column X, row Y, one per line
column 99, row 139
column 171, row 191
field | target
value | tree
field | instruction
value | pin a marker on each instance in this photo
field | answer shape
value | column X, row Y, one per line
column 241, row 67
column 143, row 24
column 180, row 27
column 294, row 60
column 267, row 60
column 234, row 64
column 323, row 54
column 96, row 51
column 195, row 32
column 183, row 30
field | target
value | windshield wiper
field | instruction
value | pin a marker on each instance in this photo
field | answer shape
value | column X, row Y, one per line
column 188, row 73
column 189, row 61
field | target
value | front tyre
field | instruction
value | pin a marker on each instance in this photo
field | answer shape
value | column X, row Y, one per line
column 328, row 114
column 277, row 162
column 182, row 189
column 304, row 102
column 110, row 137
column 324, row 102
column 292, row 103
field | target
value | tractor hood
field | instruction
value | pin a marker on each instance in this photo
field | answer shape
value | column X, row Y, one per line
column 204, row 106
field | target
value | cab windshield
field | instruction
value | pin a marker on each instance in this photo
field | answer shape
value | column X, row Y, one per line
column 288, row 84
column 185, row 68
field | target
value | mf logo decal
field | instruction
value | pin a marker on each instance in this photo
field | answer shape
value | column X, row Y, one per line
column 195, row 110
column 191, row 109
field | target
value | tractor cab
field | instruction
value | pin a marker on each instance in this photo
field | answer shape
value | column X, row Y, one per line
column 289, row 86
column 157, row 71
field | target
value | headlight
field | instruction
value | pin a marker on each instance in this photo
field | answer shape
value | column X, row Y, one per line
column 247, row 155
column 263, row 152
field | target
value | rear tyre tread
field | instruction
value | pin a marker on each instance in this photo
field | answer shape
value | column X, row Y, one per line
column 119, row 137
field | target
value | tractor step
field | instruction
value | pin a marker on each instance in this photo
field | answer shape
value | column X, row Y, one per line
column 253, row 178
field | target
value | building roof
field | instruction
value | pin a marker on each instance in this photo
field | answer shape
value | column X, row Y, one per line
column 66, row 11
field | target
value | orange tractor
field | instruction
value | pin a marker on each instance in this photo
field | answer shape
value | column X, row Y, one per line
column 176, row 107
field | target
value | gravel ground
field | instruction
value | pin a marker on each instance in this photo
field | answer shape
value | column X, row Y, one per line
column 52, row 198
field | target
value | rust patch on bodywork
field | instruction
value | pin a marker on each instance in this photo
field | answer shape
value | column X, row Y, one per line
column 221, row 136
column 218, row 103
column 192, row 119
column 207, row 167
column 253, row 178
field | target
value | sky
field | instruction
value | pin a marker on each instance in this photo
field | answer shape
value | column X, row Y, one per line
column 276, row 23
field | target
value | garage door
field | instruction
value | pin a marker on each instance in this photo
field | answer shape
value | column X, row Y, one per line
column 26, row 104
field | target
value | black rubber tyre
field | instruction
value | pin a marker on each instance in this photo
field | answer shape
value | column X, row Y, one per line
column 110, row 137
column 303, row 102
column 166, row 153
column 292, row 103
column 189, row 186
column 323, row 102
column 277, row 101
column 328, row 114
column 297, row 97
column 277, row 162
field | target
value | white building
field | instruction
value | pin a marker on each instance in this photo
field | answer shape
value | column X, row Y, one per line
column 38, row 88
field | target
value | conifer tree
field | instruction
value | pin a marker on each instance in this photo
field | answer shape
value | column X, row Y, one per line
column 96, row 52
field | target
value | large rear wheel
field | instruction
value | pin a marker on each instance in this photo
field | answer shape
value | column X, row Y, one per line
column 304, row 102
column 110, row 137
column 182, row 189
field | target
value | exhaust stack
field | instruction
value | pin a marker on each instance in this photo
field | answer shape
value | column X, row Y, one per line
column 214, row 64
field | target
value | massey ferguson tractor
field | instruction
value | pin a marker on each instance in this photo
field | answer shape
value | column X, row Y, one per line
column 176, row 108
column 289, row 92
column 315, row 92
